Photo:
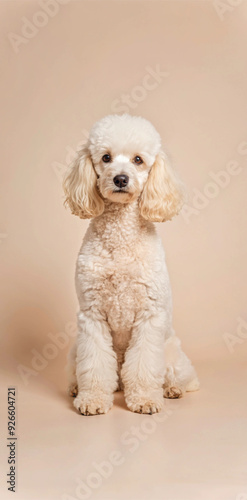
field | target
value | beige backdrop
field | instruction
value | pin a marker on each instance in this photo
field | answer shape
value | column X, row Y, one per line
column 65, row 64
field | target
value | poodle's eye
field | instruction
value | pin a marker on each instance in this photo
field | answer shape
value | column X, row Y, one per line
column 138, row 160
column 106, row 158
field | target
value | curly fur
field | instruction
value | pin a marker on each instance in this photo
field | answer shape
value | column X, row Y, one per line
column 125, row 336
column 81, row 190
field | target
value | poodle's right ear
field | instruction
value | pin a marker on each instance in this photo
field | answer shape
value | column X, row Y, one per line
column 80, row 187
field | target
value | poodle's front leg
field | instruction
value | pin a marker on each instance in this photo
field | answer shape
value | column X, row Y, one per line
column 96, row 365
column 143, row 369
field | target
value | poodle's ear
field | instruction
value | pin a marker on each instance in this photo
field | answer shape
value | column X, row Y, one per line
column 80, row 187
column 163, row 193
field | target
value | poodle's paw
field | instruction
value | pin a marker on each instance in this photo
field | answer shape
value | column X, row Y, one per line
column 73, row 390
column 144, row 403
column 173, row 392
column 93, row 403
column 193, row 385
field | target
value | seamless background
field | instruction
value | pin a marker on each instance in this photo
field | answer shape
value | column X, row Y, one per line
column 65, row 64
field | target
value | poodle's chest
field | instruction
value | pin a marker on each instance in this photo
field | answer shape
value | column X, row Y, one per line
column 117, row 289
column 122, row 295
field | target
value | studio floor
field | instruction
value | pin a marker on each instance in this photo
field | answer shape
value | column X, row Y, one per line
column 196, row 449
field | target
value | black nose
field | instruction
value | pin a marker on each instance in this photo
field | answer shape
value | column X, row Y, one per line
column 121, row 180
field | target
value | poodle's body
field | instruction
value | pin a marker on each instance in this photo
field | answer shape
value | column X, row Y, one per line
column 125, row 336
column 121, row 273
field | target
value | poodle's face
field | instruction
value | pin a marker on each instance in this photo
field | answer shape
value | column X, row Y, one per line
column 123, row 162
column 121, row 177
column 123, row 150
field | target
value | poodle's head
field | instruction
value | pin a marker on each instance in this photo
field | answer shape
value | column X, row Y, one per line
column 122, row 162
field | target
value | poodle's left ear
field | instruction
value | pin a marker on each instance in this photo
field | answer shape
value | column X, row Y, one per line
column 80, row 187
column 163, row 193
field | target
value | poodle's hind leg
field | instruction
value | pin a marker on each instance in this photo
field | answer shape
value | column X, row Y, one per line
column 180, row 375
column 120, row 359
column 71, row 371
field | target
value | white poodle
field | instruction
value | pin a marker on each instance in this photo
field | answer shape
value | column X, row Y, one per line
column 123, row 181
